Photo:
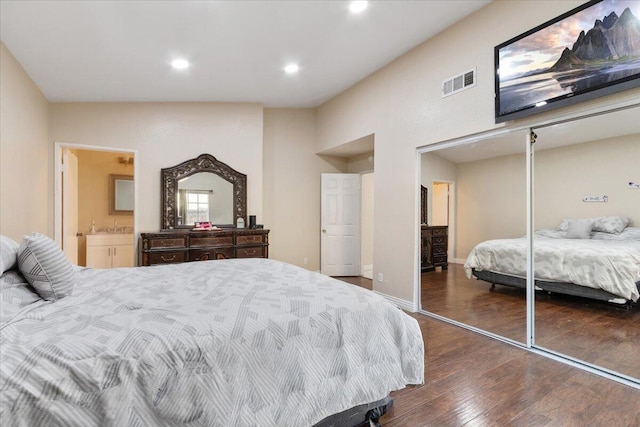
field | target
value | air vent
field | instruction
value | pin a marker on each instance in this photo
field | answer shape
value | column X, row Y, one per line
column 459, row 83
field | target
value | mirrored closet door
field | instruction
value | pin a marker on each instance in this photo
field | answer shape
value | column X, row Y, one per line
column 587, row 240
column 476, row 198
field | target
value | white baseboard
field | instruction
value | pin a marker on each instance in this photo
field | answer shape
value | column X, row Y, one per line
column 367, row 271
column 403, row 304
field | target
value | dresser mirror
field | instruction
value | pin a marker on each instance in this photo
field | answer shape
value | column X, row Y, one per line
column 202, row 189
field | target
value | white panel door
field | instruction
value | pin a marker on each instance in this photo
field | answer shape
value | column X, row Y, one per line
column 70, row 206
column 340, row 224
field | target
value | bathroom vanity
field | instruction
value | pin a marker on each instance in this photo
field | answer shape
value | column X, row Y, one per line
column 109, row 250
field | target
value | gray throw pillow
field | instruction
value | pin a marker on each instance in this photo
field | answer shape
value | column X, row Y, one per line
column 45, row 267
column 579, row 229
column 8, row 254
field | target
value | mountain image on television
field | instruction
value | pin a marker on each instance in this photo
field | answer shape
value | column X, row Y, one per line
column 574, row 55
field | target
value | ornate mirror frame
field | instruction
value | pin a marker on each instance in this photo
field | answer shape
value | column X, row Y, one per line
column 203, row 163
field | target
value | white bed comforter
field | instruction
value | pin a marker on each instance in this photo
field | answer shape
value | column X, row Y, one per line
column 611, row 265
column 216, row 343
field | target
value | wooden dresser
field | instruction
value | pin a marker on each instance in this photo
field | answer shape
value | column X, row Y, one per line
column 175, row 246
column 433, row 246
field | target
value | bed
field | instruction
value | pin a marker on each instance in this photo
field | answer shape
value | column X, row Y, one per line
column 239, row 342
column 602, row 265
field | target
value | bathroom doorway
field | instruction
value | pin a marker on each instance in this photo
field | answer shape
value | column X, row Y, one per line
column 85, row 194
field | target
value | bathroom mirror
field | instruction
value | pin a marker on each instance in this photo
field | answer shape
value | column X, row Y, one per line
column 121, row 193
column 202, row 189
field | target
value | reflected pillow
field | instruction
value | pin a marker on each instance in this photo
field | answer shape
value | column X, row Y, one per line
column 579, row 229
column 8, row 254
column 605, row 224
column 45, row 267
column 611, row 224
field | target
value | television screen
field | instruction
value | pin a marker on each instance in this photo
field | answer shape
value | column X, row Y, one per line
column 590, row 51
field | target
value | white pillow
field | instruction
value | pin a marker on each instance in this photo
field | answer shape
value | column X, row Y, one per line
column 605, row 224
column 45, row 267
column 8, row 254
column 611, row 224
column 579, row 229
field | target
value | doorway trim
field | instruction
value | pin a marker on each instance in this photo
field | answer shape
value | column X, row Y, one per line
column 451, row 217
column 57, row 195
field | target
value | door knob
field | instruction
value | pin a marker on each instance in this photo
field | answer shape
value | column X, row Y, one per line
column 324, row 231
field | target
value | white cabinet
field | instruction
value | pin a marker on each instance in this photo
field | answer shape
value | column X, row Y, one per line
column 109, row 250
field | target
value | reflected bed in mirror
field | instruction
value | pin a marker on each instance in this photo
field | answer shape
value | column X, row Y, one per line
column 203, row 189
column 121, row 195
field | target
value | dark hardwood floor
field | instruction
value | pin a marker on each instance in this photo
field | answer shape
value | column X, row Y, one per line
column 473, row 380
column 357, row 280
column 450, row 294
column 596, row 332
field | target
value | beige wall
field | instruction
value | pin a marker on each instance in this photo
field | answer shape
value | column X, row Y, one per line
column 367, row 222
column 491, row 201
column 491, row 193
column 24, row 162
column 94, row 168
column 361, row 163
column 563, row 176
column 401, row 104
column 165, row 134
column 292, row 185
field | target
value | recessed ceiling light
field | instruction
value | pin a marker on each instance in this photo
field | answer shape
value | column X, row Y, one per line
column 180, row 64
column 291, row 68
column 358, row 6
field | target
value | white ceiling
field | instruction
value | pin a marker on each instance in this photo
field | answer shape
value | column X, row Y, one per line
column 88, row 51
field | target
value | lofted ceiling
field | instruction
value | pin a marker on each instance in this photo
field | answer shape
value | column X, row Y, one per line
column 117, row 51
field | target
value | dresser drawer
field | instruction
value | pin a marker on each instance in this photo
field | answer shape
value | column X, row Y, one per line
column 438, row 260
column 212, row 241
column 440, row 231
column 167, row 257
column 250, row 252
column 210, row 254
column 245, row 239
column 168, row 242
column 439, row 250
column 439, row 240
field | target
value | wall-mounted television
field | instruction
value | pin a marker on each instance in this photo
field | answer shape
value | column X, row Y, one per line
column 590, row 51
